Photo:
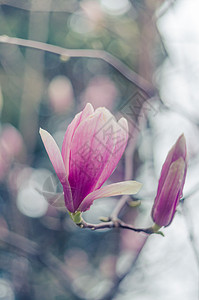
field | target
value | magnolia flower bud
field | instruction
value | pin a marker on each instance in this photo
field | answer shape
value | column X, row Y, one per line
column 170, row 184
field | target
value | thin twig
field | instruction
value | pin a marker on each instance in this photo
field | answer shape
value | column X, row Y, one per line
column 115, row 223
column 132, row 76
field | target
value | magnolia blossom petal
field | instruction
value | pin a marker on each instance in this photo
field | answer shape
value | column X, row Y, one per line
column 91, row 149
column 58, row 164
column 115, row 189
column 87, row 111
column 121, row 138
column 166, row 202
column 54, row 154
column 178, row 150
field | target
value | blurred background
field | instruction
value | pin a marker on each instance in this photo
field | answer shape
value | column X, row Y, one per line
column 129, row 53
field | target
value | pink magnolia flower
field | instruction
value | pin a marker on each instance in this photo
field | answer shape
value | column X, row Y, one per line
column 93, row 144
column 170, row 184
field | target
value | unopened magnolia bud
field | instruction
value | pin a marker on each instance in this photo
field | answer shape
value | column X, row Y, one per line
column 170, row 184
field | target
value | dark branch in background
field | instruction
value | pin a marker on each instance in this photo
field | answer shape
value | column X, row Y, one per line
column 191, row 236
column 167, row 5
column 56, row 267
column 33, row 250
column 119, row 278
column 132, row 76
column 119, row 207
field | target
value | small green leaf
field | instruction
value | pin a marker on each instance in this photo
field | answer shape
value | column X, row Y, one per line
column 134, row 203
column 104, row 219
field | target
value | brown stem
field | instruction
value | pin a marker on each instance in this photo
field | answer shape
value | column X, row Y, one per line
column 114, row 223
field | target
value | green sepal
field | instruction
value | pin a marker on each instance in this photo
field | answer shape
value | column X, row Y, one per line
column 154, row 229
column 160, row 232
column 76, row 217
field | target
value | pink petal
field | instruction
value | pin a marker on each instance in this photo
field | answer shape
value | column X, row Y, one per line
column 178, row 150
column 58, row 164
column 90, row 152
column 121, row 138
column 87, row 111
column 115, row 189
column 166, row 202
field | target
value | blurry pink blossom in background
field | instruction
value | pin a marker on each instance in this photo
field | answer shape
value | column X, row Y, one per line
column 170, row 184
column 11, row 147
column 108, row 265
column 93, row 144
column 92, row 10
column 100, row 91
column 18, row 175
column 131, row 241
column 60, row 92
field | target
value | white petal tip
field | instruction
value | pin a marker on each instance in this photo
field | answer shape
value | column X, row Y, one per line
column 41, row 131
column 89, row 107
column 124, row 124
column 89, row 104
column 44, row 134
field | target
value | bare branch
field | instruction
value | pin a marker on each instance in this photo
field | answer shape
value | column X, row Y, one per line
column 132, row 76
column 115, row 223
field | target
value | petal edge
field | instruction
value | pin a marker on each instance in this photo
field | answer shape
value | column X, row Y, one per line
column 120, row 188
column 56, row 159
